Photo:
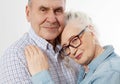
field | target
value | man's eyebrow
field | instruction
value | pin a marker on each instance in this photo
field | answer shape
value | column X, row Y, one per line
column 59, row 8
column 44, row 7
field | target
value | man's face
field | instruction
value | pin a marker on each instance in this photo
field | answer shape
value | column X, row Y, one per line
column 46, row 17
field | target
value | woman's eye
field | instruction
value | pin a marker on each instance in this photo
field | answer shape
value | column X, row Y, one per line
column 74, row 41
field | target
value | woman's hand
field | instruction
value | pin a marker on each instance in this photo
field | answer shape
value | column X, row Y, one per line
column 36, row 59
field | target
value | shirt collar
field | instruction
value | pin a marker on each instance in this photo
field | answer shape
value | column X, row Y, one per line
column 42, row 43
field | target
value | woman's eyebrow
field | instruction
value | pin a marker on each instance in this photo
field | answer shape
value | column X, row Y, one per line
column 65, row 44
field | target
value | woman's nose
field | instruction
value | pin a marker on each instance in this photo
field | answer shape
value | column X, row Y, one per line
column 73, row 50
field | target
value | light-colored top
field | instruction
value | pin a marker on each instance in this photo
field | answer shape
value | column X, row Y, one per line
column 105, row 69
column 44, row 75
column 13, row 66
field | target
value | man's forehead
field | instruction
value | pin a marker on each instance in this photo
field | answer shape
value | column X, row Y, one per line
column 49, row 3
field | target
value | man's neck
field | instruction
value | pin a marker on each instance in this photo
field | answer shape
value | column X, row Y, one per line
column 53, row 43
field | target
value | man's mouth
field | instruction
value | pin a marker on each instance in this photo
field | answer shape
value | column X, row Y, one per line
column 51, row 27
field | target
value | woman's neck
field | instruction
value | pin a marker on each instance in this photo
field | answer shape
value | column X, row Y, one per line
column 98, row 51
column 86, row 68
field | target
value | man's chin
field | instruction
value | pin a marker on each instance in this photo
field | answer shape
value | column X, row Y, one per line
column 50, row 39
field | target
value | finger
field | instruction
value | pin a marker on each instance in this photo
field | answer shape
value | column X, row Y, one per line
column 27, row 55
column 40, row 55
column 37, row 49
column 37, row 55
column 47, row 62
column 30, row 51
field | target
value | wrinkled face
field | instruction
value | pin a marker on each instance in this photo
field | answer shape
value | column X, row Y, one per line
column 46, row 17
column 84, row 53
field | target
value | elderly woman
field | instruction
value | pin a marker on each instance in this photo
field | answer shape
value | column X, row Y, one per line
column 100, row 65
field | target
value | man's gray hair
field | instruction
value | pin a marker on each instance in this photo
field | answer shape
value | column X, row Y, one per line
column 29, row 1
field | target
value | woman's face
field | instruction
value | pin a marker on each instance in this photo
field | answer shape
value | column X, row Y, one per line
column 84, row 53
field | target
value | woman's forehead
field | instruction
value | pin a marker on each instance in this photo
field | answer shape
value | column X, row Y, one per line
column 72, row 26
column 68, row 32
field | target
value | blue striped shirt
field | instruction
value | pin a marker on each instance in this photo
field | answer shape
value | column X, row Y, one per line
column 13, row 66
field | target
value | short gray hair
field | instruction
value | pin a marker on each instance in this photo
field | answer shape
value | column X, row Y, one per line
column 29, row 2
column 83, row 18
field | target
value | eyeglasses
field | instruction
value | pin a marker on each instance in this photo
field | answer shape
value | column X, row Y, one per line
column 74, row 42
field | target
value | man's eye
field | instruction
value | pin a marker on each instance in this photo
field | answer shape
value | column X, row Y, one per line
column 43, row 10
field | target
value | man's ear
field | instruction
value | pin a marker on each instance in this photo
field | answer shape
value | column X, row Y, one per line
column 27, row 11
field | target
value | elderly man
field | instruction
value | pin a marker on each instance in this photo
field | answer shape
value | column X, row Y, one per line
column 47, row 22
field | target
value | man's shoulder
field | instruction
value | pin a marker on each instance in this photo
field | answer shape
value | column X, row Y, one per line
column 19, row 45
column 16, row 50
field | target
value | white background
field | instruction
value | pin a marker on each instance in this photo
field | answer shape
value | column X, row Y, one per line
column 105, row 14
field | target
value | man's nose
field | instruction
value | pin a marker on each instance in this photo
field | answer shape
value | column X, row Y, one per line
column 51, row 17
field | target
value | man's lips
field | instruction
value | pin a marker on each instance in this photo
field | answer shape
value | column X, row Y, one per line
column 51, row 27
column 78, row 56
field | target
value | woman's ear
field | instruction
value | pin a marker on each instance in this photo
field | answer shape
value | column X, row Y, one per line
column 91, row 29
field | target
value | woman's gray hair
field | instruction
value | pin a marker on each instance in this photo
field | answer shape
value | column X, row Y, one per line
column 83, row 18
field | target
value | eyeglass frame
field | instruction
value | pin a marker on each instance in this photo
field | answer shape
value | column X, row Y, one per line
column 63, row 53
